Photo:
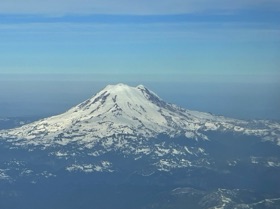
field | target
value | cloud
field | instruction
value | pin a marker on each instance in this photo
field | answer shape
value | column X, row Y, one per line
column 136, row 7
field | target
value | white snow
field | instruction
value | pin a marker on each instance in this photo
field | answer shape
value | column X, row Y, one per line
column 26, row 172
column 3, row 175
column 176, row 152
column 136, row 112
column 143, row 150
column 189, row 134
column 225, row 202
column 271, row 164
column 161, row 151
column 254, row 160
column 201, row 150
column 211, row 126
column 188, row 151
column 61, row 154
column 89, row 168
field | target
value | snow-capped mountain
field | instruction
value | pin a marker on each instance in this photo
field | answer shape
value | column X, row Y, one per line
column 126, row 144
column 135, row 112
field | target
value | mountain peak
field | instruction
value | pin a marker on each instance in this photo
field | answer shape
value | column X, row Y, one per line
column 116, row 87
column 121, row 87
column 124, row 110
column 141, row 87
column 129, row 94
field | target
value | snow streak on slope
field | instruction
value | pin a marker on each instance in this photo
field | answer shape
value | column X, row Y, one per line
column 134, row 112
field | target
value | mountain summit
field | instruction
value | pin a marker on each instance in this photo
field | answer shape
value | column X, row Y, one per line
column 135, row 112
column 126, row 143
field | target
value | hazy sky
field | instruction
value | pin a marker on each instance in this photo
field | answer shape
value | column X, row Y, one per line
column 140, row 41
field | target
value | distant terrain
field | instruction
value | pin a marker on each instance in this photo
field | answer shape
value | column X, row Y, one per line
column 13, row 122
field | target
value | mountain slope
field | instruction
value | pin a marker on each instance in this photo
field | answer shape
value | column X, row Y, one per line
column 128, row 146
column 132, row 111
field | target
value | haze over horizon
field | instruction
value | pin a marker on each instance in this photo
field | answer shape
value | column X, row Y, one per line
column 218, row 56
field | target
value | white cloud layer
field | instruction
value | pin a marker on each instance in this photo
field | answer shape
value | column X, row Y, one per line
column 136, row 7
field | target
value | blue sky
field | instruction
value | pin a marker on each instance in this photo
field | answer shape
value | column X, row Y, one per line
column 171, row 41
